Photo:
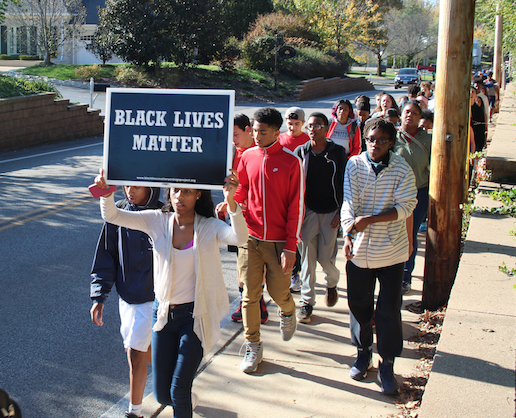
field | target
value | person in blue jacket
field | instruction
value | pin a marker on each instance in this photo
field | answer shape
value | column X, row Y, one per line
column 124, row 258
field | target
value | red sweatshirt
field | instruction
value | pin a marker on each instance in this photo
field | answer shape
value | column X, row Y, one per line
column 271, row 179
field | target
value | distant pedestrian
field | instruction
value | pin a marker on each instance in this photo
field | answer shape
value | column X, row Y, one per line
column 414, row 144
column 295, row 119
column 344, row 130
column 363, row 112
column 494, row 93
column 324, row 163
column 379, row 195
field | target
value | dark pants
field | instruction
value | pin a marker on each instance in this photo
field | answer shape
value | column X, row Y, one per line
column 419, row 216
column 176, row 355
column 387, row 318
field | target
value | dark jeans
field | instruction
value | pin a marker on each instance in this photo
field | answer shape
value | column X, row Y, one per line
column 387, row 318
column 419, row 216
column 176, row 355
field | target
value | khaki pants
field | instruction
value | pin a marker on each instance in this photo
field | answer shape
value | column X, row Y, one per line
column 253, row 258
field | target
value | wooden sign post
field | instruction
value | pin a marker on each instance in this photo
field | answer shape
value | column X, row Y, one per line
column 449, row 150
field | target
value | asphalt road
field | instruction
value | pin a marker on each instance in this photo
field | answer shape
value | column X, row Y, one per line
column 53, row 359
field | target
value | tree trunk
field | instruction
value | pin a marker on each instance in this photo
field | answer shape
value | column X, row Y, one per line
column 449, row 150
column 379, row 60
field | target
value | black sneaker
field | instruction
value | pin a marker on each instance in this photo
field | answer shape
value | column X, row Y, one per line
column 305, row 313
column 386, row 378
column 131, row 415
column 332, row 296
column 362, row 364
column 237, row 315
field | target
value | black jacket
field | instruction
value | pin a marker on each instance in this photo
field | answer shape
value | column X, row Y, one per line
column 124, row 258
column 334, row 154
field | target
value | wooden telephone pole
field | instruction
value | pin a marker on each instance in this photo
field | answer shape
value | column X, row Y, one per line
column 449, row 150
column 498, row 56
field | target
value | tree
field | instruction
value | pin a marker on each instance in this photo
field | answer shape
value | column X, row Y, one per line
column 147, row 32
column 136, row 29
column 412, row 29
column 56, row 22
column 239, row 14
column 485, row 12
column 194, row 31
column 101, row 46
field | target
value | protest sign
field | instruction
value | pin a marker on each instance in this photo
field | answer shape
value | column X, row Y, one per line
column 168, row 138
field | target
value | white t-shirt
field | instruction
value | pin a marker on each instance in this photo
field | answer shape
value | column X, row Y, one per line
column 341, row 136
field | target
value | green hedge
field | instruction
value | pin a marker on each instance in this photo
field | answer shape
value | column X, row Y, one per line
column 311, row 62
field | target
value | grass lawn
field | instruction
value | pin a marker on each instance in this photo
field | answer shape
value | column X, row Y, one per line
column 64, row 71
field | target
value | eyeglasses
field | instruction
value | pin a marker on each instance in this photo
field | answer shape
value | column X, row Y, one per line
column 379, row 141
column 315, row 126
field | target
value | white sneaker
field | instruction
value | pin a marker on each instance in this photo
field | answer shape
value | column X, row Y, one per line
column 288, row 326
column 253, row 356
column 195, row 400
column 295, row 283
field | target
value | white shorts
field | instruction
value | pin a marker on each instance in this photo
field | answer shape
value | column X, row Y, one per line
column 135, row 324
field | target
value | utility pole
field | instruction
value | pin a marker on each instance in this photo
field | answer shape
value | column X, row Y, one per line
column 449, row 150
column 498, row 57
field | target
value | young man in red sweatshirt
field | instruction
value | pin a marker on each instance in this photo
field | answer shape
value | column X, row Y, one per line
column 271, row 180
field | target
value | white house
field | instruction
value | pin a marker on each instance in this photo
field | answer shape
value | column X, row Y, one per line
column 22, row 39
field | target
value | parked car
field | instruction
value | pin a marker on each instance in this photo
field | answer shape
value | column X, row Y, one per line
column 407, row 76
column 431, row 67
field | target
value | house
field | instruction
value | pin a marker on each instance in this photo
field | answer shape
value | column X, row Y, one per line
column 18, row 39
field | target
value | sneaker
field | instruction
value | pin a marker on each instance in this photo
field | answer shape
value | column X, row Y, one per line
column 253, row 356
column 232, row 248
column 405, row 288
column 332, row 296
column 237, row 315
column 295, row 284
column 362, row 364
column 423, row 227
column 305, row 313
column 131, row 415
column 288, row 326
column 264, row 314
column 386, row 378
column 195, row 400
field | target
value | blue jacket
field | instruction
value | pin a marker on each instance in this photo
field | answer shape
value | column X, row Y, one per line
column 124, row 258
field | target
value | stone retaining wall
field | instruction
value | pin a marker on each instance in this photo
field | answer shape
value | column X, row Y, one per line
column 41, row 119
column 319, row 87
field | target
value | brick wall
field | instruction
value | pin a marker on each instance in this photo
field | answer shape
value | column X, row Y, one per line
column 41, row 119
column 319, row 87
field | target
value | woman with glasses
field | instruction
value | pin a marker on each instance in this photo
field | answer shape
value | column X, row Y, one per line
column 344, row 130
column 414, row 144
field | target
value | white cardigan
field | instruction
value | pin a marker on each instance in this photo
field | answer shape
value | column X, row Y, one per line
column 211, row 302
column 381, row 244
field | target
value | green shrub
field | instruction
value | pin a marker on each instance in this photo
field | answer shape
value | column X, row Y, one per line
column 12, row 87
column 9, row 57
column 311, row 62
column 227, row 57
column 88, row 71
column 132, row 76
column 29, row 57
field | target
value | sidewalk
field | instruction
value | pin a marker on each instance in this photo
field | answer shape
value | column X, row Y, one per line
column 305, row 377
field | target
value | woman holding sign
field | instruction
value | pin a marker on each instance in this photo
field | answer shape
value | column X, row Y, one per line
column 191, row 298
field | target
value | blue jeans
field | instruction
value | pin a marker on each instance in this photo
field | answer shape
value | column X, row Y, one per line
column 419, row 216
column 176, row 355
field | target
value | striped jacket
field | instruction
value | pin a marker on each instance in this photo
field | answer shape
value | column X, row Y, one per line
column 381, row 244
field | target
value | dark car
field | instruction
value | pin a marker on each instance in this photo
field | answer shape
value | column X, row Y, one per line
column 407, row 76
